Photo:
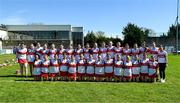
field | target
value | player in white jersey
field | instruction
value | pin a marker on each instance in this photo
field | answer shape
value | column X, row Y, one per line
column 37, row 68
column 127, row 70
column 22, row 59
column 52, row 52
column 64, row 67
column 163, row 61
column 72, row 68
column 61, row 52
column 110, row 49
column 118, row 68
column 90, row 68
column 81, row 68
column 118, row 50
column 144, row 68
column 69, row 52
column 31, row 57
column 153, row 66
column 109, row 71
column 143, row 49
column 86, row 51
column 126, row 52
column 154, row 51
column 45, row 68
column 99, row 69
column 134, row 51
column 103, row 51
column 136, row 65
column 54, row 68
column 78, row 52
column 38, row 49
column 44, row 52
column 95, row 51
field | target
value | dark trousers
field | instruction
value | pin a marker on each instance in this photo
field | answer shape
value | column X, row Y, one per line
column 162, row 67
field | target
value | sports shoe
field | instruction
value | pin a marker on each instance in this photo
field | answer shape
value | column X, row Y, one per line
column 163, row 81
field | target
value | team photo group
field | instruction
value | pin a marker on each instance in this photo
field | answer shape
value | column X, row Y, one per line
column 104, row 62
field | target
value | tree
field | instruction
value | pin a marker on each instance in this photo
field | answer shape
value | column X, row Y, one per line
column 90, row 38
column 134, row 34
column 172, row 31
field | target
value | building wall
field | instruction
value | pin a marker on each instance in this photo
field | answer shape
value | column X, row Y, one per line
column 3, row 34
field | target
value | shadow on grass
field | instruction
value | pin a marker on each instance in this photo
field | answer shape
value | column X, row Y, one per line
column 17, row 76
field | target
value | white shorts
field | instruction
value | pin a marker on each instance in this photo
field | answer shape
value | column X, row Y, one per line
column 81, row 69
column 54, row 69
column 118, row 71
column 108, row 69
column 99, row 70
column 90, row 70
column 36, row 71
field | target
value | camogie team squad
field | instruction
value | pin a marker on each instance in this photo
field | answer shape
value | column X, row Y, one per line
column 105, row 63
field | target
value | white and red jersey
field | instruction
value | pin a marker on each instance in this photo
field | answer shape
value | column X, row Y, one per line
column 154, row 52
column 134, row 52
column 45, row 66
column 77, row 53
column 118, row 51
column 126, row 52
column 44, row 52
column 37, row 67
column 110, row 51
column 118, row 68
column 64, row 65
column 69, row 52
column 136, row 65
column 162, row 56
column 127, row 69
column 52, row 53
column 60, row 53
column 153, row 66
column 81, row 66
column 54, row 66
column 142, row 50
column 22, row 55
column 144, row 67
column 109, row 66
column 72, row 67
column 99, row 67
column 31, row 55
column 95, row 52
column 90, row 67
column 103, row 52
column 38, row 51
column 86, row 53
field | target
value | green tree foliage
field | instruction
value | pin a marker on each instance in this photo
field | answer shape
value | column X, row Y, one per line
column 172, row 31
column 134, row 34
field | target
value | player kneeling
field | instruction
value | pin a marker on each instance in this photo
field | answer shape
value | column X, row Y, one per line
column 90, row 68
column 81, row 68
column 109, row 68
column 54, row 68
column 99, row 69
column 136, row 68
column 153, row 66
column 144, row 68
column 127, row 70
column 37, row 68
column 64, row 67
column 72, row 69
column 45, row 68
column 118, row 68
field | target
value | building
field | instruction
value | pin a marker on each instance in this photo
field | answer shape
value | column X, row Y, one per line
column 58, row 34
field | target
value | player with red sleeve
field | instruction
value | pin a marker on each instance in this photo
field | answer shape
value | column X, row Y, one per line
column 31, row 57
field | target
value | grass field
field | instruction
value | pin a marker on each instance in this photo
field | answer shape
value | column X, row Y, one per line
column 18, row 89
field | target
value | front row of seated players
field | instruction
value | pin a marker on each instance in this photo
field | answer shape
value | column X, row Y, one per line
column 96, row 70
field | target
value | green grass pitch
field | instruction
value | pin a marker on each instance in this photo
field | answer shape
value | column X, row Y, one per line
column 16, row 89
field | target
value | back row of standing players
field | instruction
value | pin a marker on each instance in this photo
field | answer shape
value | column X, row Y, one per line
column 105, row 62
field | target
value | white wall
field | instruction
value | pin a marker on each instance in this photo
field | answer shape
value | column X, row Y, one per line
column 3, row 35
